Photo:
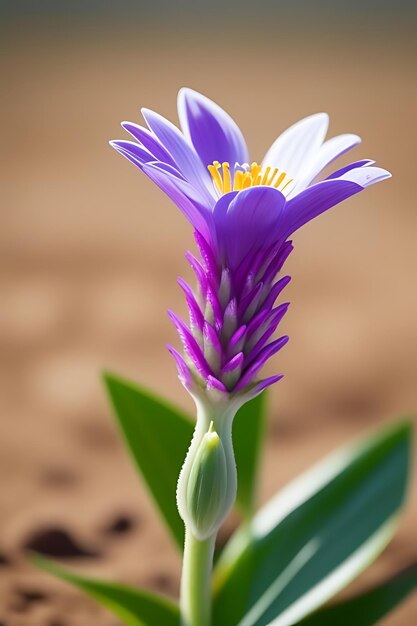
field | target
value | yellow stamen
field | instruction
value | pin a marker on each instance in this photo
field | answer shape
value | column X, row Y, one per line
column 265, row 176
column 217, row 179
column 279, row 180
column 237, row 183
column 227, row 183
column 247, row 180
column 243, row 177
column 254, row 170
column 271, row 179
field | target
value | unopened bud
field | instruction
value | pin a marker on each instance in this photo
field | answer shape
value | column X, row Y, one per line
column 206, row 493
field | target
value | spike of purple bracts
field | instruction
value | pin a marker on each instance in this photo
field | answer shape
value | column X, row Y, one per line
column 231, row 321
column 243, row 216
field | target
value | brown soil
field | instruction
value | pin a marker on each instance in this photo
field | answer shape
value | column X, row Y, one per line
column 90, row 253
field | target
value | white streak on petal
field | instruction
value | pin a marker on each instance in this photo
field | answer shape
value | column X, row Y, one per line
column 328, row 152
column 298, row 145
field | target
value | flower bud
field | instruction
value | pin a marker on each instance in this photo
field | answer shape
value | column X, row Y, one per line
column 206, row 492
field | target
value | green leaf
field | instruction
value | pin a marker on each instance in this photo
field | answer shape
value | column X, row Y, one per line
column 248, row 433
column 368, row 608
column 316, row 536
column 158, row 436
column 133, row 606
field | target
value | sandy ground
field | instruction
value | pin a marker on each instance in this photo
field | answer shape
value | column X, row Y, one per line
column 90, row 252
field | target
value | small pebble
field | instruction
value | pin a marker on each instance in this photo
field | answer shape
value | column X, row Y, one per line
column 57, row 542
column 120, row 525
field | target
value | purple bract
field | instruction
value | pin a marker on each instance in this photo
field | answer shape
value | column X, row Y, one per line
column 243, row 214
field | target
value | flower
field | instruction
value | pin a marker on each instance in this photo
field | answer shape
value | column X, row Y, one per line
column 243, row 214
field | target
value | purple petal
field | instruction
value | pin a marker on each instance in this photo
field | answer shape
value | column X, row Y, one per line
column 260, row 386
column 179, row 192
column 230, row 319
column 237, row 339
column 266, row 382
column 212, row 347
column 215, row 383
column 213, row 301
column 257, row 321
column 212, row 132
column 247, row 221
column 207, row 255
column 191, row 346
column 276, row 264
column 275, row 291
column 149, row 141
column 170, row 169
column 365, row 176
column 199, row 272
column 232, row 370
column 225, row 287
column 249, row 304
column 246, row 268
column 184, row 156
column 270, row 327
column 261, row 259
column 132, row 151
column 196, row 316
column 322, row 196
column 234, row 363
column 264, row 355
column 349, row 167
column 183, row 371
column 277, row 250
column 316, row 200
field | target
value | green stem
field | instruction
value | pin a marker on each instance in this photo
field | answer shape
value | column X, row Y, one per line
column 195, row 602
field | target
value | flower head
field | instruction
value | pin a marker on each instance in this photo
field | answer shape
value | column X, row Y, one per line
column 243, row 214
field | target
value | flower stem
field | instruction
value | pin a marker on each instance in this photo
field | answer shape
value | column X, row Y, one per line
column 195, row 602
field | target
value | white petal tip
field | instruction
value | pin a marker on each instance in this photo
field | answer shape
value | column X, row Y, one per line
column 366, row 176
column 182, row 91
column 322, row 118
column 185, row 92
column 354, row 140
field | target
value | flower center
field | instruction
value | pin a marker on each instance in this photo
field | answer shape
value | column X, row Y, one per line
column 244, row 176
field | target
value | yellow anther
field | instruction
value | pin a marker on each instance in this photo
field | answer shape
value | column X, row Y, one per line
column 237, row 183
column 227, row 183
column 217, row 179
column 254, row 170
column 239, row 178
column 247, row 180
column 265, row 176
column 279, row 180
column 271, row 179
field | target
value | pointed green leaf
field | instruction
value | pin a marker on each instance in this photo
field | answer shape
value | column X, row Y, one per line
column 317, row 535
column 133, row 606
column 248, row 433
column 368, row 608
column 158, row 436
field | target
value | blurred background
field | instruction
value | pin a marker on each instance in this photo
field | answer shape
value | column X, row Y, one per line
column 91, row 249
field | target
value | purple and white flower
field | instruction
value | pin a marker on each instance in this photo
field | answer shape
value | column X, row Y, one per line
column 243, row 214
